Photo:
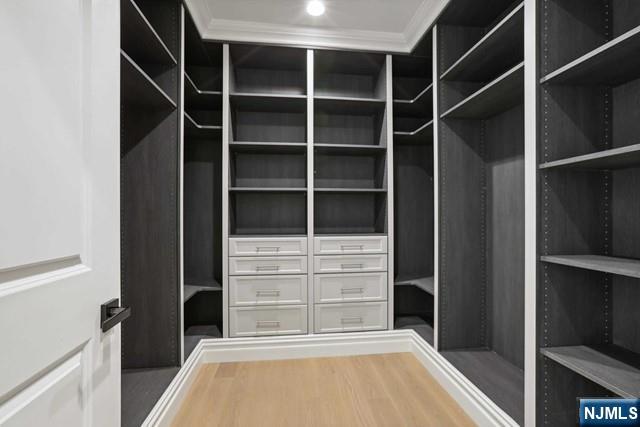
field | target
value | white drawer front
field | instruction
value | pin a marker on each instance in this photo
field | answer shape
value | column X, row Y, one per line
column 364, row 316
column 255, row 321
column 267, row 246
column 350, row 263
column 267, row 265
column 350, row 245
column 267, row 290
column 335, row 288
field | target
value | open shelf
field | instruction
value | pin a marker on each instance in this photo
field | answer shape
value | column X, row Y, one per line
column 500, row 380
column 191, row 290
column 268, row 69
column 349, row 105
column 274, row 170
column 499, row 49
column 613, row 63
column 350, row 211
column 421, row 105
column 611, row 367
column 282, row 211
column 607, row 264
column 422, row 135
column 267, row 189
column 350, row 190
column 267, row 147
column 416, row 323
column 348, row 121
column 194, row 334
column 501, row 94
column 616, row 158
column 349, row 169
column 272, row 101
column 196, row 130
column 199, row 99
column 423, row 283
column 139, row 90
column 348, row 149
column 139, row 39
column 349, row 74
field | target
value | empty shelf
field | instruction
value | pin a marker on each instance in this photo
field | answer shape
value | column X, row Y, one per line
column 200, row 99
column 139, row 39
column 139, row 90
column 605, row 367
column 349, row 148
column 422, row 135
column 422, row 328
column 192, row 128
column 270, row 102
column 267, row 147
column 498, row 50
column 616, row 158
column 191, row 290
column 500, row 380
column 424, row 283
column 141, row 389
column 419, row 106
column 194, row 334
column 613, row 63
column 348, row 105
column 501, row 94
column 350, row 190
column 267, row 190
column 620, row 266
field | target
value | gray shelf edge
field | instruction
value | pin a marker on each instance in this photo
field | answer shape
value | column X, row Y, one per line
column 415, row 132
column 199, row 126
column 153, row 31
column 483, row 40
column 347, row 147
column 553, row 353
column 198, row 91
column 417, row 97
column 424, row 283
column 146, row 77
column 635, row 32
column 483, row 90
column 606, row 154
column 577, row 262
column 349, row 190
column 191, row 290
column 266, row 95
column 267, row 190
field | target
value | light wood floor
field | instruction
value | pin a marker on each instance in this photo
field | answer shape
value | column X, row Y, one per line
column 380, row 390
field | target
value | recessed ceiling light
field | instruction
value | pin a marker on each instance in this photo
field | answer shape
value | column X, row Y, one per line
column 315, row 8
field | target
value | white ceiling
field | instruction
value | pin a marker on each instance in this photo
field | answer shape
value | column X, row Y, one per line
column 381, row 25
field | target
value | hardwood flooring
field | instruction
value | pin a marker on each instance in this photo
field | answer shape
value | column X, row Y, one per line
column 377, row 390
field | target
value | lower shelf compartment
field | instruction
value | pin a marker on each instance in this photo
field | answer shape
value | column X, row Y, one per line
column 191, row 290
column 499, row 379
column 418, row 324
column 194, row 334
column 612, row 367
column 423, row 283
column 141, row 389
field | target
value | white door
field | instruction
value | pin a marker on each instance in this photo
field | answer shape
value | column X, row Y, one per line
column 59, row 212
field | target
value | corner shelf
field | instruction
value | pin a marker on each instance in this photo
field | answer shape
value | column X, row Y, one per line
column 418, row 106
column 606, row 264
column 191, row 290
column 613, row 63
column 139, row 39
column 616, row 158
column 193, row 128
column 424, row 283
column 602, row 365
column 200, row 99
column 501, row 94
column 419, row 136
column 500, row 48
column 139, row 90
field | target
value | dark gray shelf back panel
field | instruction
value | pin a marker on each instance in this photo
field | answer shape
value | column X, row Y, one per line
column 267, row 213
column 267, row 69
column 202, row 211
column 350, row 213
column 268, row 169
column 355, row 74
column 269, row 120
column 414, row 211
column 349, row 170
column 349, row 123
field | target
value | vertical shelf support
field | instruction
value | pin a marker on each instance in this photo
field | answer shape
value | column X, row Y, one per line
column 436, row 188
column 390, row 237
column 226, row 136
column 310, row 193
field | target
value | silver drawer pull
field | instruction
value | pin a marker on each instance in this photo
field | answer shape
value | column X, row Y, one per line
column 351, row 266
column 268, row 292
column 267, row 268
column 268, row 324
column 352, row 290
column 351, row 320
column 267, row 248
column 352, row 247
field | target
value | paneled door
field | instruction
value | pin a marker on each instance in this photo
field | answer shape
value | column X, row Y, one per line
column 59, row 212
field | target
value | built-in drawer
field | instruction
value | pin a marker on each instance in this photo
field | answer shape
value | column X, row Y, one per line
column 350, row 263
column 359, row 316
column 267, row 246
column 255, row 321
column 350, row 245
column 239, row 266
column 336, row 288
column 267, row 290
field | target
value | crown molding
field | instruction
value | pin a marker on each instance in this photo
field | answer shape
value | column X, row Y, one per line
column 212, row 28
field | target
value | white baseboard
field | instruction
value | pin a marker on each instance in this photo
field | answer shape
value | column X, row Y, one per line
column 479, row 407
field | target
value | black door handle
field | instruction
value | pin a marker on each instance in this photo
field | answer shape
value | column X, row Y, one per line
column 111, row 314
